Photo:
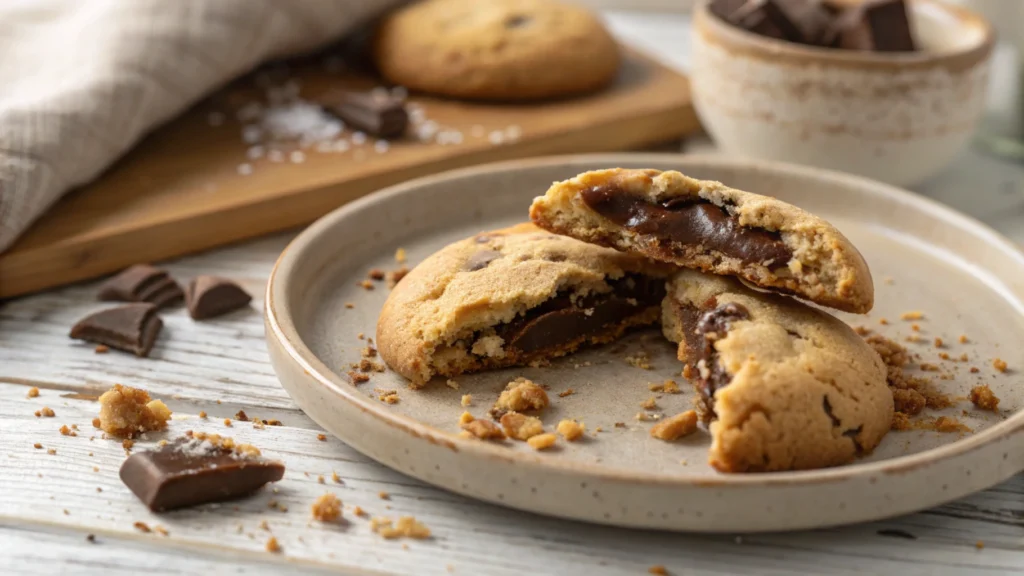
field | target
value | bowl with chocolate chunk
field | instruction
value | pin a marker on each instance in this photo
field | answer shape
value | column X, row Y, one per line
column 890, row 89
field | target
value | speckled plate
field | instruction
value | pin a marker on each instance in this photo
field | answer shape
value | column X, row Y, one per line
column 964, row 277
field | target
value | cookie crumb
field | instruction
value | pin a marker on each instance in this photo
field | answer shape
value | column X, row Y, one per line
column 327, row 508
column 687, row 372
column 670, row 387
column 65, row 431
column 938, row 342
column 915, row 327
column 388, row 396
column 640, row 360
column 358, row 377
column 883, row 321
column 400, row 255
column 465, row 418
column 520, row 426
column 647, row 417
column 999, row 364
column 404, row 527
column 950, row 424
column 963, row 357
column 241, row 416
column 127, row 445
column 912, row 315
column 202, row 414
column 483, row 430
column 974, row 370
column 979, row 545
column 519, row 395
column 375, row 274
column 467, row 399
column 321, row 437
column 272, row 545
column 227, row 422
column 566, row 392
column 46, row 412
column 32, row 392
column 452, row 384
column 650, row 404
column 126, row 411
column 570, row 430
column 37, row 446
column 675, row 427
column 541, row 441
column 658, row 569
column 368, row 352
column 101, row 349
column 90, row 538
column 383, row 495
column 349, row 305
column 367, row 365
column 983, row 397
column 963, row 339
column 142, row 527
column 395, row 276
column 358, row 511
column 365, row 285
column 161, row 530
column 51, row 451
column 620, row 424
column 944, row 356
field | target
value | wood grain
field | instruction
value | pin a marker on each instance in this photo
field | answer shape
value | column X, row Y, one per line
column 180, row 192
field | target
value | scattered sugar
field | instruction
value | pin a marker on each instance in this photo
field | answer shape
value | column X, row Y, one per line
column 427, row 130
column 302, row 121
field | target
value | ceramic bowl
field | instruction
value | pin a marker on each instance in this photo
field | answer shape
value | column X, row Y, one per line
column 895, row 117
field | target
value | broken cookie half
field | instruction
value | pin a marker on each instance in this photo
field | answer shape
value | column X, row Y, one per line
column 784, row 386
column 704, row 225
column 513, row 297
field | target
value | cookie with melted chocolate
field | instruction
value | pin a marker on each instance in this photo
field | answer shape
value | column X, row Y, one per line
column 707, row 226
column 784, row 386
column 514, row 297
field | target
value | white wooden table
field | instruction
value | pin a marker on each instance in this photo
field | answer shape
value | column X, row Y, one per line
column 49, row 504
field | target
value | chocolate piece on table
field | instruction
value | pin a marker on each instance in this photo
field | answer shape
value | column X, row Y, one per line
column 141, row 283
column 210, row 296
column 374, row 112
column 131, row 328
column 194, row 471
column 875, row 25
column 803, row 21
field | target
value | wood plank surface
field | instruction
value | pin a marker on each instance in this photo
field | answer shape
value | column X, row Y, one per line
column 180, row 190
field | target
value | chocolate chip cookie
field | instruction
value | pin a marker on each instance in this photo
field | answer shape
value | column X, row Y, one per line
column 498, row 49
column 785, row 386
column 513, row 297
column 705, row 225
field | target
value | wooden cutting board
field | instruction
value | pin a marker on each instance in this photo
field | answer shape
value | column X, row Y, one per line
column 181, row 191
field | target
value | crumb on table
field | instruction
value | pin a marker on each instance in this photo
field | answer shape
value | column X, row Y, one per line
column 327, row 508
column 983, row 397
column 482, row 429
column 639, row 360
column 542, row 441
column 452, row 384
column 657, row 569
column 520, row 426
column 400, row 255
column 467, row 399
column 101, row 349
column 126, row 411
column 520, row 395
column 912, row 315
column 566, row 392
column 272, row 545
column 650, row 404
column 999, row 364
column 963, row 339
column 45, row 412
column 142, row 527
column 32, row 392
column 570, row 430
column 675, row 427
column 404, row 527
column 358, row 377
column 375, row 274
column 321, row 437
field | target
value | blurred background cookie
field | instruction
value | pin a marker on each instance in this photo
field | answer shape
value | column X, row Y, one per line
column 496, row 49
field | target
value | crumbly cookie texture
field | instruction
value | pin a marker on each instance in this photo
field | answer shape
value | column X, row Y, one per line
column 513, row 297
column 707, row 226
column 785, row 386
column 499, row 49
column 126, row 411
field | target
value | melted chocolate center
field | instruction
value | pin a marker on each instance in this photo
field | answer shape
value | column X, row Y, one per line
column 688, row 221
column 701, row 330
column 559, row 321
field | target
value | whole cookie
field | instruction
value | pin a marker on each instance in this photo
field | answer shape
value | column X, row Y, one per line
column 785, row 386
column 496, row 49
column 513, row 297
column 705, row 225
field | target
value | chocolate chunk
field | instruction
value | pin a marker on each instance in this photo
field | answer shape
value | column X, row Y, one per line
column 141, row 283
column 377, row 113
column 481, row 259
column 803, row 21
column 189, row 472
column 560, row 321
column 875, row 25
column 131, row 328
column 209, row 296
column 701, row 329
column 689, row 222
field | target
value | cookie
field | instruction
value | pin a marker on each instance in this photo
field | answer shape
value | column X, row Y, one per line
column 496, row 49
column 513, row 297
column 707, row 226
column 784, row 385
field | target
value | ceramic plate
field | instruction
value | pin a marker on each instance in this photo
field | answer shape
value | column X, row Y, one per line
column 965, row 278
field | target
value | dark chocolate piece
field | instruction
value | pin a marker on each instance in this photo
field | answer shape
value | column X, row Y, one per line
column 803, row 21
column 141, row 283
column 701, row 329
column 689, row 222
column 562, row 321
column 190, row 472
column 875, row 25
column 131, row 328
column 210, row 296
column 376, row 113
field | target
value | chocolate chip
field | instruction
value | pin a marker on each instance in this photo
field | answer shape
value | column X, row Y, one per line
column 131, row 328
column 481, row 260
column 376, row 113
column 191, row 472
column 701, row 328
column 210, row 296
column 688, row 222
column 877, row 25
column 141, row 283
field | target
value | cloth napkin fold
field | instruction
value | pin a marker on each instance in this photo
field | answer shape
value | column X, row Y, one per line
column 82, row 81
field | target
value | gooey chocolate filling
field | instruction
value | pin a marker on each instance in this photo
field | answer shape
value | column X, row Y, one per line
column 701, row 329
column 560, row 320
column 689, row 221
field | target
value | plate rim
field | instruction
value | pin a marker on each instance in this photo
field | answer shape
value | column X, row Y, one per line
column 282, row 328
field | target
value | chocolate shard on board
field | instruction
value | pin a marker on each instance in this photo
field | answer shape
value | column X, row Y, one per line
column 376, row 113
column 131, row 328
column 875, row 25
column 210, row 296
column 141, row 283
column 197, row 470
